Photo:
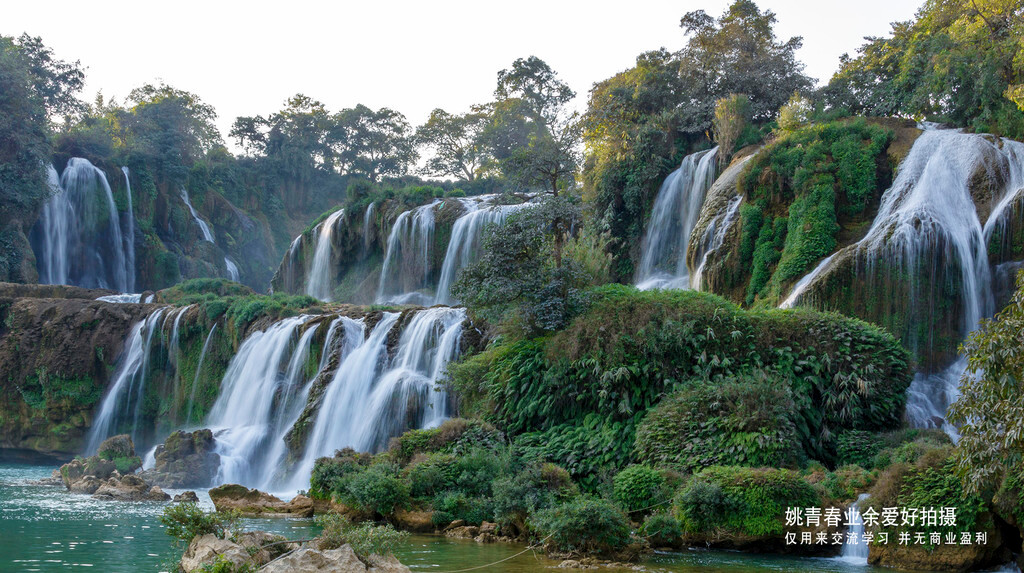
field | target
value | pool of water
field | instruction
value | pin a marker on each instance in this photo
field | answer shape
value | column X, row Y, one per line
column 45, row 528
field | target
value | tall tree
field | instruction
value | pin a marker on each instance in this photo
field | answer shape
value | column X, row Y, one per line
column 173, row 127
column 373, row 143
column 456, row 143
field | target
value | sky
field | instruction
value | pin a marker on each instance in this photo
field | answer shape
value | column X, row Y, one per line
column 247, row 58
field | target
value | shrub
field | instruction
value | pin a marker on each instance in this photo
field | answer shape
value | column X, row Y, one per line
column 127, row 465
column 742, row 501
column 432, row 475
column 328, row 473
column 662, row 530
column 639, row 488
column 858, row 447
column 454, row 505
column 585, row 525
column 185, row 521
column 365, row 539
column 534, row 488
column 736, row 420
column 376, row 489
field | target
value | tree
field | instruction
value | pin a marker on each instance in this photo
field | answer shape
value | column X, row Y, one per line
column 172, row 127
column 990, row 410
column 517, row 278
column 373, row 143
column 796, row 113
column 55, row 82
column 731, row 115
column 957, row 61
column 456, row 142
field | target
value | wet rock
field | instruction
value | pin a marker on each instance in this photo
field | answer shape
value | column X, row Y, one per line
column 120, row 446
column 340, row 560
column 129, row 488
column 186, row 497
column 254, row 502
column 207, row 549
column 486, row 538
column 464, row 532
column 185, row 459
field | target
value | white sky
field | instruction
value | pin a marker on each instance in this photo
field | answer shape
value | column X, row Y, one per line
column 247, row 58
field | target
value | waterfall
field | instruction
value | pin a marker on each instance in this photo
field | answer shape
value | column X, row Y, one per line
column 367, row 228
column 855, row 550
column 929, row 234
column 406, row 268
column 124, row 398
column 371, row 398
column 232, row 269
column 129, row 247
column 242, row 415
column 203, row 226
column 77, row 239
column 318, row 285
column 675, row 213
column 714, row 238
column 125, row 298
column 195, row 379
column 465, row 243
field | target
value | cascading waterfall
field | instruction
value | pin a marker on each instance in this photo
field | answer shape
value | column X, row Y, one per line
column 242, row 415
column 406, row 270
column 855, row 550
column 714, row 238
column 124, row 399
column 232, row 269
column 203, row 226
column 318, row 285
column 928, row 229
column 367, row 228
column 368, row 399
column 675, row 213
column 464, row 245
column 129, row 247
column 78, row 238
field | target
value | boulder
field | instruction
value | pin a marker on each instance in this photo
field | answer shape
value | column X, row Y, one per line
column 120, row 446
column 254, row 502
column 129, row 488
column 414, row 521
column 340, row 560
column 185, row 459
column 186, row 497
column 464, row 532
column 207, row 549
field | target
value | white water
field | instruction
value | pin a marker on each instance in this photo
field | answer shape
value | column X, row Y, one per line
column 714, row 237
column 78, row 238
column 675, row 213
column 406, row 271
column 465, row 244
column 232, row 269
column 125, row 395
column 928, row 220
column 203, row 226
column 855, row 552
column 367, row 226
column 121, row 298
column 129, row 248
column 318, row 284
column 368, row 399
column 241, row 417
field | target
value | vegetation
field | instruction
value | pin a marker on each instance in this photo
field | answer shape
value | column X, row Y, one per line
column 365, row 539
column 185, row 521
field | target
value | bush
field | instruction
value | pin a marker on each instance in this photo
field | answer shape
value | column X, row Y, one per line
column 639, row 488
column 185, row 521
column 365, row 539
column 662, row 530
column 534, row 488
column 431, row 476
column 742, row 501
column 328, row 473
column 585, row 525
column 376, row 489
column 743, row 420
column 454, row 505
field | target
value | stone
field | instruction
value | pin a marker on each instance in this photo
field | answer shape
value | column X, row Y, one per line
column 129, row 488
column 254, row 502
column 341, row 560
column 488, row 527
column 486, row 538
column 414, row 521
column 186, row 496
column 208, row 548
column 120, row 446
column 185, row 459
column 464, row 532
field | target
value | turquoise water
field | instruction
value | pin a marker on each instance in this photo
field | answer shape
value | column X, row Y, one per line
column 45, row 528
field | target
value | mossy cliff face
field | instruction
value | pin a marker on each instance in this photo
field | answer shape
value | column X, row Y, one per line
column 57, row 352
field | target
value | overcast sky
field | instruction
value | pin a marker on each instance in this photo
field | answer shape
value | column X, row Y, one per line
column 248, row 58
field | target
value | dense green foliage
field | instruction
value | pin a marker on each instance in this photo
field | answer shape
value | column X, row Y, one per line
column 746, row 420
column 184, row 521
column 584, row 525
column 639, row 488
column 991, row 399
column 578, row 396
column 800, row 189
column 365, row 539
column 742, row 501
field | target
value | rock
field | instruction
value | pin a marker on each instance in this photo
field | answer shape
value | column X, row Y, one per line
column 415, row 521
column 254, row 502
column 456, row 523
column 185, row 459
column 488, row 527
column 340, row 560
column 87, row 485
column 129, row 488
column 186, row 496
column 208, row 549
column 120, row 446
column 486, row 538
column 940, row 558
column 464, row 532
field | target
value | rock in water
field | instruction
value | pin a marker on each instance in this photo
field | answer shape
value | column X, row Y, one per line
column 185, row 459
column 129, row 488
column 120, row 446
column 340, row 560
column 254, row 502
column 186, row 497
